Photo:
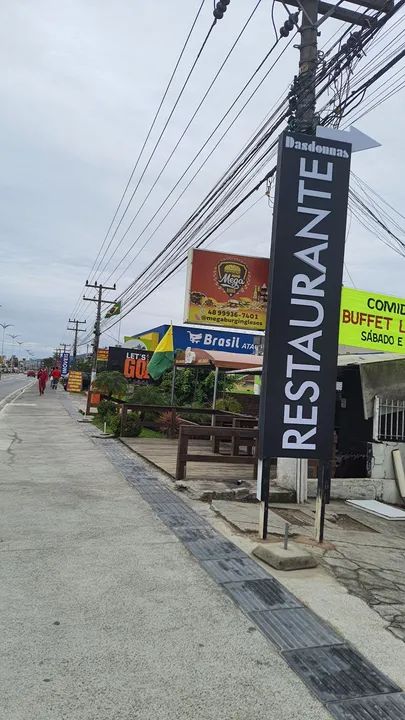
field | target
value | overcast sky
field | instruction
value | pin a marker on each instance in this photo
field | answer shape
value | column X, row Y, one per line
column 79, row 86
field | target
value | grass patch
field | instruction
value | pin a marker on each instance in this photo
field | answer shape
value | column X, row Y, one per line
column 147, row 433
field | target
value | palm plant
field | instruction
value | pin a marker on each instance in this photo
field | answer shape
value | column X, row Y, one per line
column 111, row 384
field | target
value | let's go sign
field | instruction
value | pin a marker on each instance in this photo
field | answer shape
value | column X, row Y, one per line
column 375, row 322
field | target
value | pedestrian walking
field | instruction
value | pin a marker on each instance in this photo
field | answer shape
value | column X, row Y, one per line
column 55, row 375
column 42, row 376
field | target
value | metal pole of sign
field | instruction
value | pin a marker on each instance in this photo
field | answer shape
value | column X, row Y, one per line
column 214, row 397
column 263, row 494
column 173, row 385
column 322, row 497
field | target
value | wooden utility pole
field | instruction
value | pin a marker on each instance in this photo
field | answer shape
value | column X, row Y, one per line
column 99, row 300
column 76, row 331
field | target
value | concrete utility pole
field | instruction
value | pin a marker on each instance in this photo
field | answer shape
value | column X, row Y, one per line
column 76, row 331
column 305, row 115
column 99, row 300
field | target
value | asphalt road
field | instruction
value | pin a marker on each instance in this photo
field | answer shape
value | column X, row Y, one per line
column 10, row 383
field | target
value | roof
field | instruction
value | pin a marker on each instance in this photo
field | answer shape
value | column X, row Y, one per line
column 343, row 361
column 366, row 358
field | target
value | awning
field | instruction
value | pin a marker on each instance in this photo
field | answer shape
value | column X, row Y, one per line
column 218, row 359
column 343, row 361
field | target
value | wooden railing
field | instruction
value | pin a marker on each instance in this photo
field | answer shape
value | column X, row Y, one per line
column 239, row 436
column 223, row 415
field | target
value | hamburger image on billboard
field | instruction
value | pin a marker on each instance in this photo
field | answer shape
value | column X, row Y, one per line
column 227, row 290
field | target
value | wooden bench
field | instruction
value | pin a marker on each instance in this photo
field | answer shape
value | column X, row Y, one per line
column 201, row 432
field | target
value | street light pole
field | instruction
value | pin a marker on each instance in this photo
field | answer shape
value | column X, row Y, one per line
column 4, row 326
column 14, row 337
column 19, row 342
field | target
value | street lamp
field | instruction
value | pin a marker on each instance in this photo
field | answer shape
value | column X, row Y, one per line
column 4, row 326
column 19, row 342
column 12, row 347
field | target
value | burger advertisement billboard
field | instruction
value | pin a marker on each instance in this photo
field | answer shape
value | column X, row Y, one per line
column 227, row 290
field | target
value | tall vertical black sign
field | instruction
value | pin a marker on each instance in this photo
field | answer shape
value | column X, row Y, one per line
column 306, row 265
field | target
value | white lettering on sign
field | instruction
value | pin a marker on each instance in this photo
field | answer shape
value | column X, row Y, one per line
column 307, row 293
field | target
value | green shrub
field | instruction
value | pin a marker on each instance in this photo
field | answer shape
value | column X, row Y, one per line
column 107, row 407
column 114, row 424
column 133, row 425
column 229, row 404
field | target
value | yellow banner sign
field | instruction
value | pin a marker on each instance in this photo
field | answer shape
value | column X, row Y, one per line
column 75, row 381
column 372, row 321
column 102, row 354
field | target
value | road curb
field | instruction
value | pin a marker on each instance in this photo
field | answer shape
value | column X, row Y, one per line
column 13, row 396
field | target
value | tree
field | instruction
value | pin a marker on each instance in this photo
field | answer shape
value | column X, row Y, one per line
column 195, row 385
column 111, row 384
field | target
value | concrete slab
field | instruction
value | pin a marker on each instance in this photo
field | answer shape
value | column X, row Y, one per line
column 295, row 557
column 244, row 516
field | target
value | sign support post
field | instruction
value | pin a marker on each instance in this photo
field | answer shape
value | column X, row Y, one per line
column 297, row 406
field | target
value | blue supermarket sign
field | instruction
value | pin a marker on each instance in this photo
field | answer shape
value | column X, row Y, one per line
column 206, row 338
column 210, row 339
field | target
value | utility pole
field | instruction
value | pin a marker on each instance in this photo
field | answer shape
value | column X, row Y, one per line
column 76, row 331
column 99, row 300
column 305, row 115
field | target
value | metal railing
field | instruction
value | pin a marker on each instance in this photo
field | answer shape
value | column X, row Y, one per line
column 389, row 419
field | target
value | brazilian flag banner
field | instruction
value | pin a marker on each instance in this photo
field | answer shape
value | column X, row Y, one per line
column 163, row 357
column 115, row 309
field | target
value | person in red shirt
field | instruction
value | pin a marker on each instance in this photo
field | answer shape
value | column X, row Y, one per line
column 55, row 375
column 42, row 376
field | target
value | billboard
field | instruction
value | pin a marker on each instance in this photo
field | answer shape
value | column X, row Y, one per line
column 308, row 237
column 212, row 339
column 133, row 364
column 75, row 381
column 226, row 289
column 372, row 321
column 102, row 354
column 202, row 338
column 146, row 341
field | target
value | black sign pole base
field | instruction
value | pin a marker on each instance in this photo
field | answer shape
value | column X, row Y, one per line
column 322, row 497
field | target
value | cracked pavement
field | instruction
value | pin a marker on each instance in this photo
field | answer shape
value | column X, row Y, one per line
column 375, row 573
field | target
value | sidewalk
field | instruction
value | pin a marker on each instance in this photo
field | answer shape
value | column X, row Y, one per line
column 107, row 616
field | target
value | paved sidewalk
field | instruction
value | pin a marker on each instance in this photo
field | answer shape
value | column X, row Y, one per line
column 104, row 614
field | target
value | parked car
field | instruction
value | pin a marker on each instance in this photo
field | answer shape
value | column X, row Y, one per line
column 30, row 373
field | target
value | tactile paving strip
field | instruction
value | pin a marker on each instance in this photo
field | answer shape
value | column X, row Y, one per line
column 338, row 672
column 255, row 595
column 380, row 707
column 190, row 534
column 213, row 548
column 233, row 569
column 290, row 629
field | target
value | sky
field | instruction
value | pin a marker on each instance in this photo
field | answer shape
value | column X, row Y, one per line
column 79, row 86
